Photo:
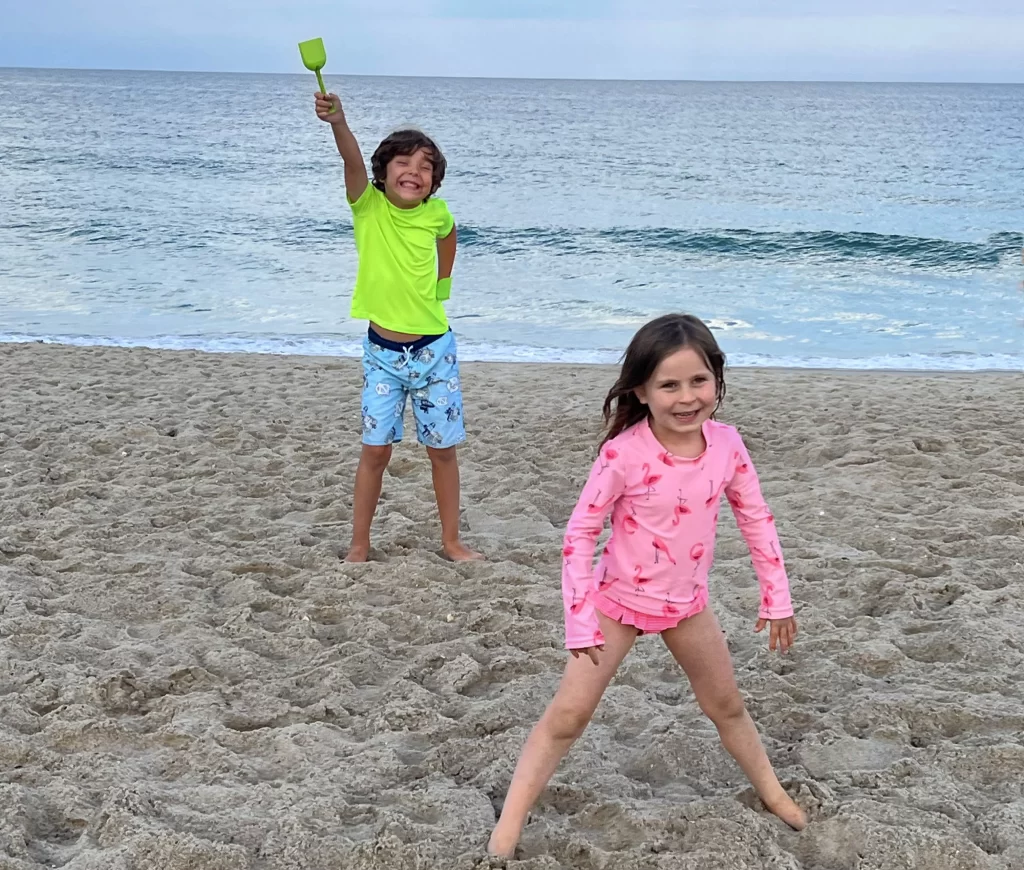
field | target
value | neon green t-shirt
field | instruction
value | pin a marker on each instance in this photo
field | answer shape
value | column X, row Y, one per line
column 396, row 284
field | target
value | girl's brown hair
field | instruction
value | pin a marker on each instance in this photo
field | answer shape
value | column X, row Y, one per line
column 656, row 340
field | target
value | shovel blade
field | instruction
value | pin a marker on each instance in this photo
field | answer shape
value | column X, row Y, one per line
column 314, row 55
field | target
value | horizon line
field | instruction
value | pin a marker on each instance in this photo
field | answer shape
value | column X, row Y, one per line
column 808, row 81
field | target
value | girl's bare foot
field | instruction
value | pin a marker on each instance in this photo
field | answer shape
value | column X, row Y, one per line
column 788, row 810
column 459, row 552
column 358, row 553
column 500, row 845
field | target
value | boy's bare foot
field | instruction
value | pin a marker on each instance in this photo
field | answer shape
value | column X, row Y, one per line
column 789, row 811
column 459, row 552
column 358, row 553
column 499, row 846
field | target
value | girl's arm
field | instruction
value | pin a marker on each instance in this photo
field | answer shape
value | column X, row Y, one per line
column 602, row 489
column 757, row 525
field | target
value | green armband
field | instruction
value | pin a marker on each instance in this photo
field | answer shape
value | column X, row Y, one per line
column 444, row 289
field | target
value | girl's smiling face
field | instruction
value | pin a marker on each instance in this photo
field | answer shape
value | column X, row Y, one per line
column 680, row 396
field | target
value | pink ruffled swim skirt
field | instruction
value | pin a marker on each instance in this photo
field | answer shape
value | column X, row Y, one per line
column 648, row 623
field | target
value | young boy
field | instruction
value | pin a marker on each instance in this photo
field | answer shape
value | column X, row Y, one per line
column 406, row 244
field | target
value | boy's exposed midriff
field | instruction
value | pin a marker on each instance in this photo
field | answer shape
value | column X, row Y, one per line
column 391, row 335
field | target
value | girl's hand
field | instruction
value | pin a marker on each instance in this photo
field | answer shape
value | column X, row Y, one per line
column 328, row 108
column 591, row 651
column 783, row 632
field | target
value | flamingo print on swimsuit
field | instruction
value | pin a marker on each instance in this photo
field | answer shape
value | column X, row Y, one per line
column 605, row 458
column 650, row 480
column 661, row 547
column 767, row 595
column 714, row 494
column 576, row 606
column 774, row 558
column 595, row 507
column 629, row 523
column 696, row 554
column 638, row 581
column 680, row 510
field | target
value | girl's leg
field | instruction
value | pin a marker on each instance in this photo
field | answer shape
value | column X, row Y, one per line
column 699, row 647
column 565, row 719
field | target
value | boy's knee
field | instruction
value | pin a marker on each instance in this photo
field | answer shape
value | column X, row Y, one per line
column 442, row 455
column 376, row 457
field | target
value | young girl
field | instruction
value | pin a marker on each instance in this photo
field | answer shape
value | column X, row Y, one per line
column 662, row 469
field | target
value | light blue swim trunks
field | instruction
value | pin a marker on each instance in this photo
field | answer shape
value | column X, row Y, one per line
column 427, row 371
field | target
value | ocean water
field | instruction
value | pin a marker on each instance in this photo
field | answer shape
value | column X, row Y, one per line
column 859, row 225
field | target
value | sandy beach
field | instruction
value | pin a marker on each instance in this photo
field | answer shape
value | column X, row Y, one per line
column 191, row 678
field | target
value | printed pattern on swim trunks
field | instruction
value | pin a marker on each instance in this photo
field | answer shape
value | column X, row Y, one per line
column 429, row 377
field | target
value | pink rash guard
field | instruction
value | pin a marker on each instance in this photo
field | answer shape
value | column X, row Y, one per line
column 664, row 511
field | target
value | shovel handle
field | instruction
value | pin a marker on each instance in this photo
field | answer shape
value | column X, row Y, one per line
column 323, row 90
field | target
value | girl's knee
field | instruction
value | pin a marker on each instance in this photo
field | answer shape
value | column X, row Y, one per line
column 566, row 723
column 725, row 707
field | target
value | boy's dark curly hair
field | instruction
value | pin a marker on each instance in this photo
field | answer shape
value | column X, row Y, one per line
column 406, row 142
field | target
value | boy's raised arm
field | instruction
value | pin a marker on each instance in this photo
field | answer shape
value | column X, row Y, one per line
column 329, row 109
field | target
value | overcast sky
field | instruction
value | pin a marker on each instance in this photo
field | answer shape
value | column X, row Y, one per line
column 867, row 40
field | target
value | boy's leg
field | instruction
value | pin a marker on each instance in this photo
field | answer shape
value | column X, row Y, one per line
column 698, row 645
column 383, row 407
column 437, row 406
column 565, row 719
column 444, row 467
column 369, row 479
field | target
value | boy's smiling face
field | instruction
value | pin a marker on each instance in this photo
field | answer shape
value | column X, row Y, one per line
column 409, row 178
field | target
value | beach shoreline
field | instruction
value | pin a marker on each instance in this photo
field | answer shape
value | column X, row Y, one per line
column 87, row 344
column 193, row 677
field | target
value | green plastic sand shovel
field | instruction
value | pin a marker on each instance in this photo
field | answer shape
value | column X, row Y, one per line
column 314, row 58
